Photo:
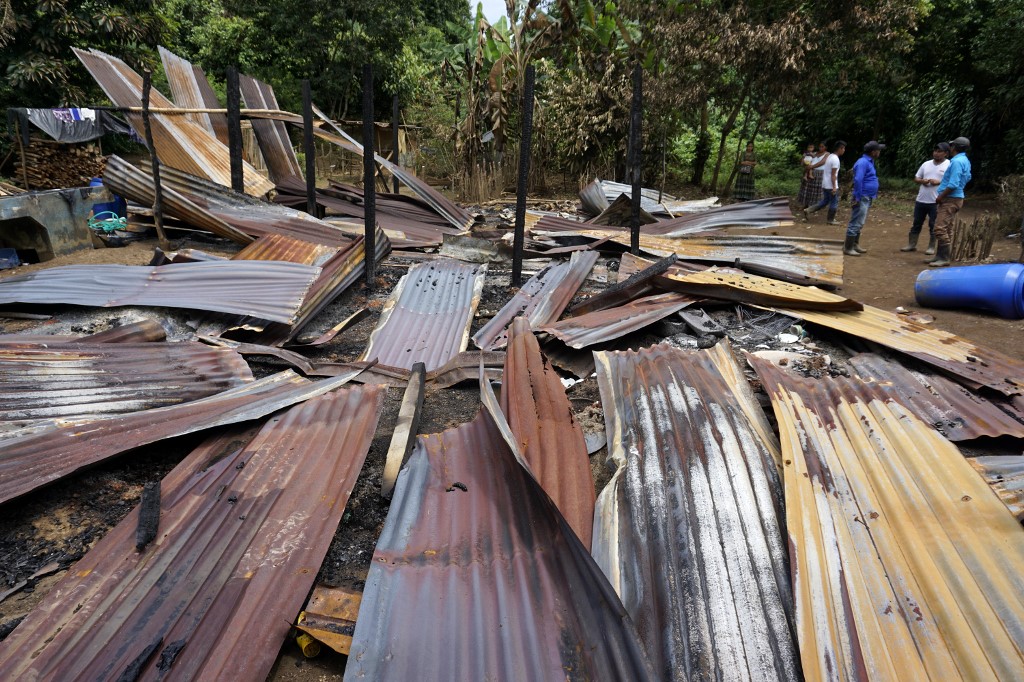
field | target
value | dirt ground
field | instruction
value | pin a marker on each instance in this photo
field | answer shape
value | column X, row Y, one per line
column 60, row 523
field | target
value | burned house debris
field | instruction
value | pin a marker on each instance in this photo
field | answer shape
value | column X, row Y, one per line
column 704, row 460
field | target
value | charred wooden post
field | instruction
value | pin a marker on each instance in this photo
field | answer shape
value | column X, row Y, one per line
column 395, row 158
column 369, row 175
column 406, row 428
column 524, row 177
column 158, row 195
column 309, row 149
column 635, row 160
column 235, row 131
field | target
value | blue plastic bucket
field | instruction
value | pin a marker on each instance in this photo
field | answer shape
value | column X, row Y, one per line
column 118, row 206
column 997, row 288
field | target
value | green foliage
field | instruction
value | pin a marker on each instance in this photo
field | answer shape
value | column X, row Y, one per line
column 40, row 68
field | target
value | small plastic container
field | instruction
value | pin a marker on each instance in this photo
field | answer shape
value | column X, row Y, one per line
column 997, row 288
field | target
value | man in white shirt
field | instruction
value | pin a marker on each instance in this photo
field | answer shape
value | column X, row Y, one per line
column 928, row 176
column 830, row 184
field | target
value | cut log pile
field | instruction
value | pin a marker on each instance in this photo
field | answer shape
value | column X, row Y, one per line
column 52, row 165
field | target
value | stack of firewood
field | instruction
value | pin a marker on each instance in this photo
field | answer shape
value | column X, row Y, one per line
column 973, row 241
column 52, row 165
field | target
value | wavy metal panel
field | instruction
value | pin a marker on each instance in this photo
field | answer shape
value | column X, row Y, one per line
column 243, row 529
column 551, row 441
column 73, row 380
column 955, row 411
column 611, row 323
column 476, row 576
column 1005, row 475
column 541, row 300
column 946, row 351
column 905, row 565
column 269, row 290
column 428, row 314
column 184, row 81
column 272, row 136
column 688, row 529
column 746, row 288
column 36, row 459
column 179, row 143
column 803, row 260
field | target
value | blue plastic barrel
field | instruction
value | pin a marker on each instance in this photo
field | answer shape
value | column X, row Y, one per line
column 997, row 288
column 118, row 205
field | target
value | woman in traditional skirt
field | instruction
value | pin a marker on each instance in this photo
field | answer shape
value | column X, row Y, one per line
column 810, row 186
column 805, row 179
column 745, row 178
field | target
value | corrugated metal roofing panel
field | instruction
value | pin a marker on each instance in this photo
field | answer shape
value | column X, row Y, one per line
column 184, row 81
column 283, row 248
column 179, row 142
column 269, row 290
column 243, row 530
column 541, row 300
column 611, row 323
column 905, row 565
column 476, row 576
column 76, row 379
column 936, row 347
column 272, row 136
column 131, row 183
column 688, row 529
column 746, row 288
column 1005, row 474
column 551, row 441
column 955, row 411
column 34, row 460
column 803, row 260
column 428, row 314
column 451, row 211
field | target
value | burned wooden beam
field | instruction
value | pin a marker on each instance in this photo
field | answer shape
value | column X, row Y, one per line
column 404, row 436
column 149, row 515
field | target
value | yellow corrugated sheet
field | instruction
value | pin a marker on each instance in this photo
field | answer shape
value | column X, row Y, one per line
column 905, row 565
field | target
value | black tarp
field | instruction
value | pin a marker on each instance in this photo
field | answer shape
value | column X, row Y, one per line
column 68, row 125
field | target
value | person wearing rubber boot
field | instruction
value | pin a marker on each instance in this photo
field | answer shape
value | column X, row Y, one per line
column 950, row 199
column 830, row 184
column 865, row 191
column 929, row 176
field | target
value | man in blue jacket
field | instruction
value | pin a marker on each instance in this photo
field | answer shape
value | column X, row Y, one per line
column 865, row 190
column 950, row 199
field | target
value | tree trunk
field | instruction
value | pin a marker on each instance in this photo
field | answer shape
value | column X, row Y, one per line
column 730, row 124
column 703, row 149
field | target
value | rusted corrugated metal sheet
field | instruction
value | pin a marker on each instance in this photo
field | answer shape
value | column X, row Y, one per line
column 180, row 143
column 611, row 323
column 541, row 300
column 946, row 351
column 452, row 212
column 1005, row 474
column 549, row 438
column 131, row 183
column 283, row 248
column 186, row 82
column 688, row 530
column 802, row 260
column 958, row 413
column 463, row 367
column 427, row 317
column 77, row 379
column 905, row 565
column 272, row 136
column 745, row 288
column 409, row 222
column 268, row 290
column 757, row 213
column 36, row 459
column 144, row 330
column 243, row 530
column 476, row 576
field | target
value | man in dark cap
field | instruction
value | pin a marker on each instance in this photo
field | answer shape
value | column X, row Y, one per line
column 865, row 191
column 950, row 199
column 928, row 176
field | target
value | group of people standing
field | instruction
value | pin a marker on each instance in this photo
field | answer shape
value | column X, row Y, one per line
column 941, row 194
